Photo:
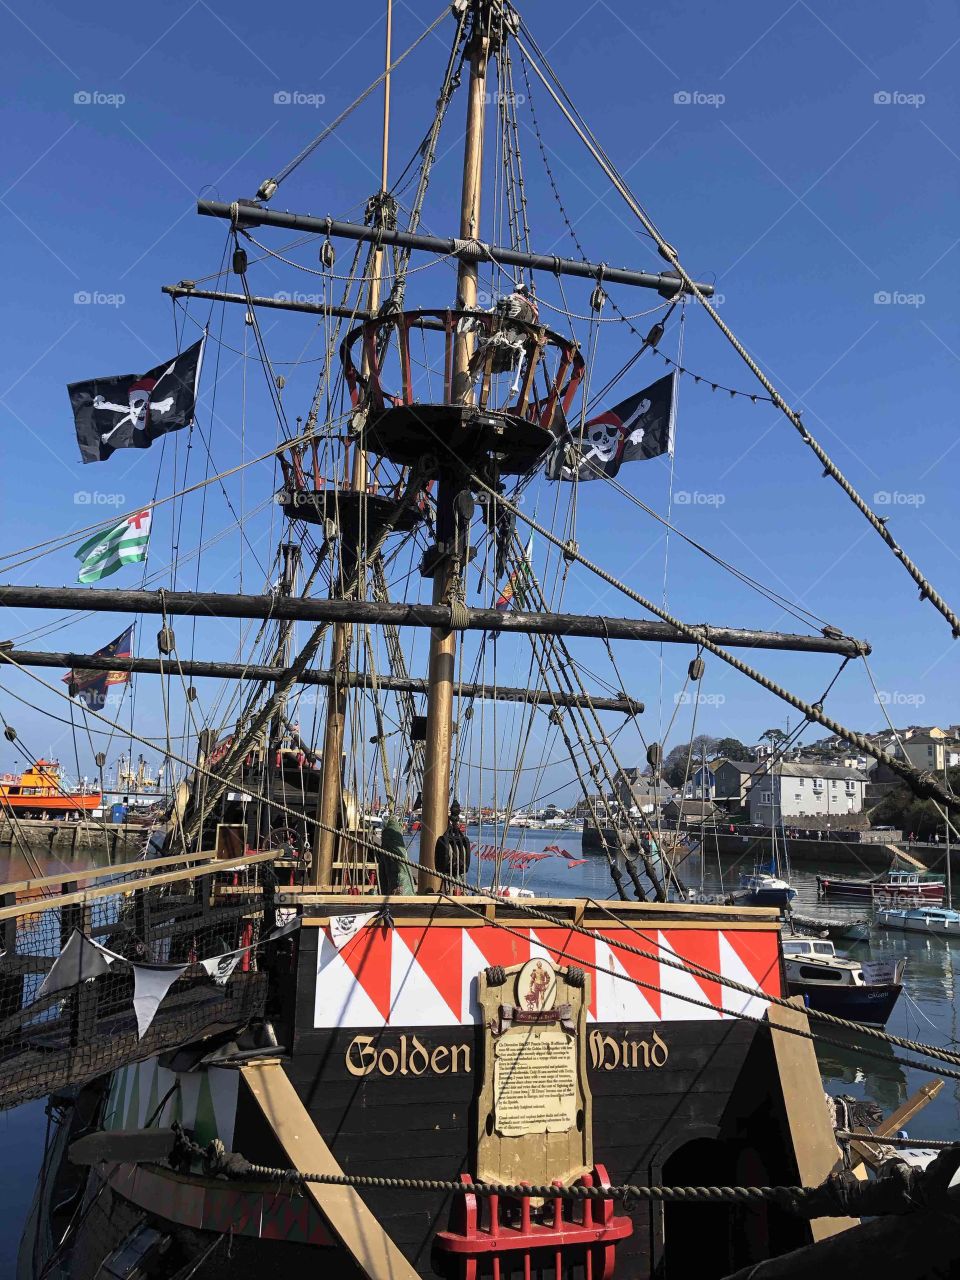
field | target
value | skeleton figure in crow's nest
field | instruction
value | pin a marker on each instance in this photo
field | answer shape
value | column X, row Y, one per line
column 506, row 340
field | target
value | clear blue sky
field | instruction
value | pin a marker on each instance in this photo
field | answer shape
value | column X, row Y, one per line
column 784, row 178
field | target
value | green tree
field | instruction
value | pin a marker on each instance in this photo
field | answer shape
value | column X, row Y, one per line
column 902, row 809
column 733, row 749
column 675, row 770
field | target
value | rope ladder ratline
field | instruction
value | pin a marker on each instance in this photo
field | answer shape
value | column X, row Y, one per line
column 924, row 784
column 525, row 908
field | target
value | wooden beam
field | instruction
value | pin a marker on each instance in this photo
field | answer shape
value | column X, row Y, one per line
column 94, row 873
column 808, row 1121
column 269, row 674
column 872, row 1155
column 35, row 906
column 373, row 613
column 343, row 1208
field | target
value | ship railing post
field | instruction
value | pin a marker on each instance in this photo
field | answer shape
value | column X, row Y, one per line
column 11, row 988
column 82, row 1003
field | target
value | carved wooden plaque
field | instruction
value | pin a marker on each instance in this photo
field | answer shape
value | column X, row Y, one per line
column 535, row 1108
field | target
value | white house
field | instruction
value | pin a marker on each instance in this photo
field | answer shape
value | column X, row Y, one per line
column 792, row 791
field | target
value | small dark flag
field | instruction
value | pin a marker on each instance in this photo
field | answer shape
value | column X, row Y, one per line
column 132, row 410
column 640, row 427
column 92, row 688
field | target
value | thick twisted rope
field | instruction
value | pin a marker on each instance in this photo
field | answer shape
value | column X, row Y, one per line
column 217, row 1160
column 524, row 907
column 670, row 254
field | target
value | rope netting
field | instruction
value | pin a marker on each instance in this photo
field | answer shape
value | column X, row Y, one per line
column 85, row 1026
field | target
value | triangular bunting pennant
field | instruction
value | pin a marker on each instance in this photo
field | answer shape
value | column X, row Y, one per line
column 343, row 928
column 79, row 961
column 220, row 967
column 150, row 984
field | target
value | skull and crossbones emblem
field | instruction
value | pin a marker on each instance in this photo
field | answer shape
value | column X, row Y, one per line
column 606, row 437
column 137, row 411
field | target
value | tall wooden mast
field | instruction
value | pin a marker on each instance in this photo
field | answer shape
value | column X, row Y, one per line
column 439, row 732
column 331, row 785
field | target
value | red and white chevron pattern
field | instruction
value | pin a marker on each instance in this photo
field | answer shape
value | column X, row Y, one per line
column 425, row 976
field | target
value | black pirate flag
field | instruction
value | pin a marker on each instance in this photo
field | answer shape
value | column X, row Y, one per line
column 132, row 410
column 640, row 427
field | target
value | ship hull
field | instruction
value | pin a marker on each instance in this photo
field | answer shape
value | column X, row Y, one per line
column 382, row 1054
column 872, row 1005
column 879, row 891
column 52, row 804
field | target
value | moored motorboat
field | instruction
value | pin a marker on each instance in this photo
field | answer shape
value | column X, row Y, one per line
column 836, row 984
column 894, row 887
column 832, row 927
column 943, row 921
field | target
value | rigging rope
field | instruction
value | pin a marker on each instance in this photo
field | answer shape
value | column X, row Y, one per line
column 875, row 1033
column 670, row 254
column 269, row 186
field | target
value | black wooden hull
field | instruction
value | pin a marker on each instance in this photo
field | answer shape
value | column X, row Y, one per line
column 383, row 1047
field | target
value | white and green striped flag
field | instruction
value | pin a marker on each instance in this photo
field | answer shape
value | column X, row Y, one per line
column 106, row 552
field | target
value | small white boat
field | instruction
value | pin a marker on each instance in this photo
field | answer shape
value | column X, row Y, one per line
column 836, row 984
column 762, row 890
column 943, row 921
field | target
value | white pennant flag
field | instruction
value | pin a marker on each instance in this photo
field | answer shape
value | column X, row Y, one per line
column 220, row 967
column 150, row 984
column 79, row 961
column 343, row 928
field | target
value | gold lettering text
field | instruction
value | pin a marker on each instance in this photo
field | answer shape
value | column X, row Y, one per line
column 419, row 1059
column 387, row 1061
column 600, row 1046
column 455, row 1051
column 365, row 1059
column 440, row 1054
column 659, row 1053
column 408, row 1056
column 607, row 1054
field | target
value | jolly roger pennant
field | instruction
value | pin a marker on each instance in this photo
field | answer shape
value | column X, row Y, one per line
column 343, row 928
column 130, row 410
column 220, row 967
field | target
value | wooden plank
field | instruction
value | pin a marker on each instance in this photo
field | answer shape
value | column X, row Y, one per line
column 682, row 910
column 808, row 1120
column 346, row 1213
column 148, row 882
column 423, row 910
column 94, row 873
column 902, row 856
column 872, row 1155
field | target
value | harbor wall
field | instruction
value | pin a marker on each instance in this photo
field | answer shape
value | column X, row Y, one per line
column 874, row 854
column 68, row 837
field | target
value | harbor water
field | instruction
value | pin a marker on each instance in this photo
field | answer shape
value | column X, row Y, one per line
column 926, row 1011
